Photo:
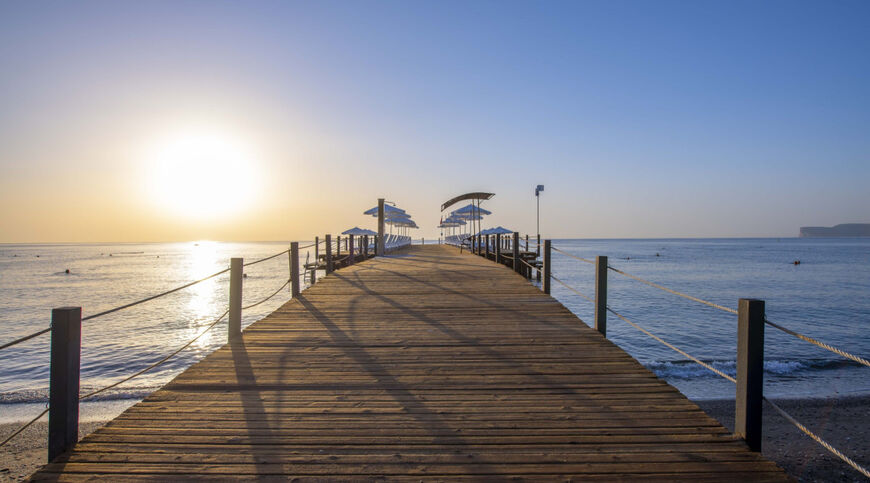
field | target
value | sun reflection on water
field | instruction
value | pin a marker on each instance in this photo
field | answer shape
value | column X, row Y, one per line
column 203, row 258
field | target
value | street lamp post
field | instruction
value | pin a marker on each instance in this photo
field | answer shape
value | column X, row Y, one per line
column 538, row 190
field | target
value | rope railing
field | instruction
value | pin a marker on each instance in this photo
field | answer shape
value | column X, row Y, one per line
column 818, row 439
column 819, row 343
column 573, row 256
column 146, row 369
column 572, row 289
column 679, row 294
column 118, row 383
column 121, row 307
column 266, row 258
column 839, row 454
column 816, row 342
column 25, row 338
column 267, row 298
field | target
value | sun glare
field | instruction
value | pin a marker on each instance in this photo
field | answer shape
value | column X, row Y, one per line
column 202, row 175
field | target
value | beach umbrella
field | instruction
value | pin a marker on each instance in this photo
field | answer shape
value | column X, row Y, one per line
column 388, row 209
column 472, row 210
column 498, row 231
column 356, row 231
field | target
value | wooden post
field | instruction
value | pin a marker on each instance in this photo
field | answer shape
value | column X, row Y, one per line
column 497, row 248
column 515, row 245
column 350, row 251
column 328, row 254
column 547, row 267
column 338, row 246
column 601, row 295
column 380, row 240
column 527, row 242
column 234, row 328
column 750, row 371
column 539, row 244
column 422, row 241
column 365, row 247
column 294, row 269
column 486, row 248
column 66, row 350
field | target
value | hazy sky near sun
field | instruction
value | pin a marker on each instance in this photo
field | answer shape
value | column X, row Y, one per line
column 162, row 121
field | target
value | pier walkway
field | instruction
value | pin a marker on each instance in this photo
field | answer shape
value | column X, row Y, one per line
column 425, row 364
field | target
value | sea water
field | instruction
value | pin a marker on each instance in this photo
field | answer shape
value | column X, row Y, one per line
column 826, row 297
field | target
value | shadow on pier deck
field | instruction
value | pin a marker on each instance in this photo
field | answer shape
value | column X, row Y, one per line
column 427, row 364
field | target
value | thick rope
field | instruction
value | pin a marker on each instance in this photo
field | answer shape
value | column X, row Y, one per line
column 819, row 440
column 94, row 393
column 673, row 347
column 680, row 294
column 25, row 338
column 267, row 298
column 22, row 428
column 573, row 256
column 122, row 307
column 821, row 344
column 572, row 289
column 161, row 361
column 267, row 258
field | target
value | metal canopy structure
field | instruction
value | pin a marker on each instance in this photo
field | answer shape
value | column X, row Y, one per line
column 467, row 196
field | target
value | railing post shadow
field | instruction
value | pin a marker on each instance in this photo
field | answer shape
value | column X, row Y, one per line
column 601, row 295
column 547, row 256
column 328, row 254
column 750, row 371
column 294, row 269
column 66, row 349
column 234, row 328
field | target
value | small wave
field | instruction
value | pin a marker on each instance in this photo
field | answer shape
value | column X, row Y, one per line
column 30, row 396
column 691, row 370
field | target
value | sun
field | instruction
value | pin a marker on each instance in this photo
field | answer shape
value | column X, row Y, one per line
column 201, row 174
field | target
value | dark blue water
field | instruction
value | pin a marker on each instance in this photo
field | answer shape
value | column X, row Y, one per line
column 826, row 297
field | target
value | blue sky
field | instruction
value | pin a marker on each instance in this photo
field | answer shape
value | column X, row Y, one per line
column 643, row 119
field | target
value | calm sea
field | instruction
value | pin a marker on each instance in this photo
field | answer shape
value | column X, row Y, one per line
column 827, row 296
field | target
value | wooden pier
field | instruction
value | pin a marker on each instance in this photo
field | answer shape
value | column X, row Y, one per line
column 425, row 364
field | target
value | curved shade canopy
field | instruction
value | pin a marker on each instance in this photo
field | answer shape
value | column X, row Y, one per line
column 466, row 196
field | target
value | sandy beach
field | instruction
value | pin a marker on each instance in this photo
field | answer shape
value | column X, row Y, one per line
column 843, row 422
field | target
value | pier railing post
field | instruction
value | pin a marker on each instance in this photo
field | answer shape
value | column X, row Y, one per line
column 380, row 241
column 350, row 250
column 328, row 254
column 515, row 246
column 750, row 371
column 539, row 245
column 601, row 295
column 497, row 248
column 234, row 328
column 316, row 260
column 365, row 247
column 66, row 349
column 547, row 272
column 294, row 269
column 486, row 249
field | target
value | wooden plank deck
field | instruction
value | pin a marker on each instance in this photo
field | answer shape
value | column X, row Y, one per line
column 428, row 364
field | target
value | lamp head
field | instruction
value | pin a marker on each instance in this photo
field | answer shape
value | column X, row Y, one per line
column 538, row 189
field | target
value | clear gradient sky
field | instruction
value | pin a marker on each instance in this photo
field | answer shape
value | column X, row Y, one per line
column 643, row 119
